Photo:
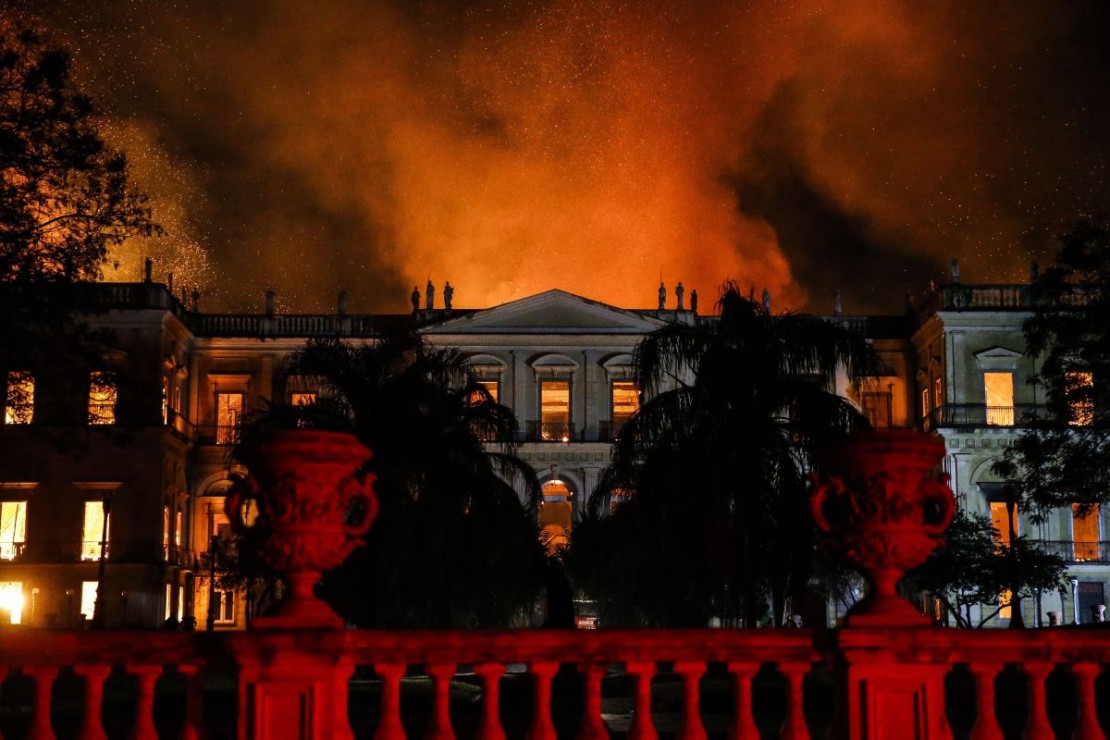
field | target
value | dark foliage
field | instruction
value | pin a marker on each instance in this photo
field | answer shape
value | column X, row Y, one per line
column 453, row 545
column 975, row 568
column 65, row 196
column 1062, row 456
column 716, row 462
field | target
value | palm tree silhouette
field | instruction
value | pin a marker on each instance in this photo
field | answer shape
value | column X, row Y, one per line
column 716, row 461
column 453, row 544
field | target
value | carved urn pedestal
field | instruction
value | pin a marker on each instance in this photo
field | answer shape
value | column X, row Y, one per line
column 307, row 504
column 885, row 510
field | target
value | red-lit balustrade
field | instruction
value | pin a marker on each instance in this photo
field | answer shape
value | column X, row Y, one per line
column 797, row 682
column 887, row 674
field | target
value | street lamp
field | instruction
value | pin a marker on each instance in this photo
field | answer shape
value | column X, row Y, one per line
column 210, row 622
column 1017, row 621
column 98, row 606
column 1074, row 600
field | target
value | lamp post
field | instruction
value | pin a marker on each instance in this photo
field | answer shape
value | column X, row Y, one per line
column 1017, row 620
column 210, row 621
column 1074, row 600
column 98, row 606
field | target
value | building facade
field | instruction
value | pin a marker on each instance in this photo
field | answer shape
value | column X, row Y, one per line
column 115, row 460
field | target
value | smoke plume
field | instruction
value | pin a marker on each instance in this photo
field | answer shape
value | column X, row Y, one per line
column 598, row 146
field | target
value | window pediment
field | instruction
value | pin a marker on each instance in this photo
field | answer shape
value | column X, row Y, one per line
column 553, row 364
column 619, row 366
column 998, row 358
column 486, row 365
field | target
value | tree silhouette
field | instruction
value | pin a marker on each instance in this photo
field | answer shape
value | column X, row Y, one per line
column 1062, row 455
column 717, row 523
column 65, row 196
column 975, row 568
column 453, row 544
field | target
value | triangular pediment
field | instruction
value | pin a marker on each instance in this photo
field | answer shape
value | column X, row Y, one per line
column 550, row 312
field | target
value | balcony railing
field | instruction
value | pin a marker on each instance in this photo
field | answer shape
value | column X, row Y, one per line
column 91, row 549
column 977, row 416
column 218, row 434
column 746, row 683
column 178, row 423
column 178, row 555
column 608, row 430
column 1077, row 552
column 537, row 431
column 12, row 550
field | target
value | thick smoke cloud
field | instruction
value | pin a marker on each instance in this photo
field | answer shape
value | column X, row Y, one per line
column 596, row 146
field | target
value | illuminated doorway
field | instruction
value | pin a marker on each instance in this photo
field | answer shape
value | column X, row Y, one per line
column 556, row 514
column 11, row 602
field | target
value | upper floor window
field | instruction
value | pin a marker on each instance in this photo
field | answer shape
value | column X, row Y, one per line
column 166, row 532
column 302, row 399
column 876, row 407
column 1000, row 520
column 493, row 388
column 1085, row 531
column 625, row 400
column 555, row 410
column 938, row 392
column 102, row 398
column 13, row 528
column 1081, row 406
column 19, row 404
column 229, row 408
column 925, row 402
column 95, row 530
column 224, row 613
column 617, row 498
column 998, row 391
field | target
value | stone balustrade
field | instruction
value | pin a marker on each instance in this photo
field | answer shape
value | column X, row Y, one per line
column 796, row 681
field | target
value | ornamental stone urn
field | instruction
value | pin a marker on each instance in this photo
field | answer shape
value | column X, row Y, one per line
column 308, row 503
column 885, row 510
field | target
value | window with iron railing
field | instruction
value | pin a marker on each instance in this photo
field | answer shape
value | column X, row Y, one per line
column 877, row 408
column 998, row 390
column 95, row 531
column 1078, row 387
column 13, row 528
column 625, row 396
column 229, row 410
column 1085, row 531
column 19, row 404
column 225, row 606
column 555, row 425
column 103, row 395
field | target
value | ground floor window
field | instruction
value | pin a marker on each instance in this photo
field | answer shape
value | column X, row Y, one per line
column 225, row 606
column 11, row 602
column 88, row 599
column 1092, row 595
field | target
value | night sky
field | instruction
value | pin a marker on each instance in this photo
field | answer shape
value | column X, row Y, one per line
column 511, row 147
